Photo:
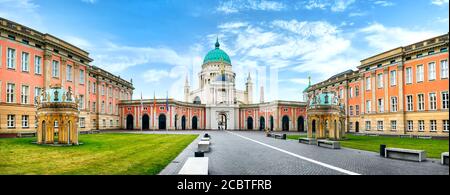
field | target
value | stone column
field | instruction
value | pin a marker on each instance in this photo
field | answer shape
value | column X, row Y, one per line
column 373, row 86
column 386, row 89
column 62, row 73
column 401, row 109
column 47, row 68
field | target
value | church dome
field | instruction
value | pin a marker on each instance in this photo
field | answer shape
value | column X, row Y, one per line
column 217, row 55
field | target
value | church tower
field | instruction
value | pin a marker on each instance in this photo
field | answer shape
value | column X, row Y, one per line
column 249, row 89
column 186, row 89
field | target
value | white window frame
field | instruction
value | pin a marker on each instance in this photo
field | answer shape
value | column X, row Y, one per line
column 11, row 58
column 408, row 75
column 393, row 125
column 69, row 72
column 11, row 121
column 433, row 125
column 368, row 125
column 445, row 125
column 432, row 102
column 444, row 69
column 420, row 73
column 81, row 102
column 409, row 125
column 37, row 64
column 380, row 125
column 421, row 125
column 25, row 121
column 393, row 77
column 368, row 106
column 394, row 104
column 380, row 105
column 380, row 82
column 25, row 64
column 37, row 93
column 444, row 100
column 368, row 84
column 409, row 104
column 82, row 122
column 420, row 104
column 81, row 76
column 25, row 94
column 10, row 93
column 432, row 71
column 55, row 69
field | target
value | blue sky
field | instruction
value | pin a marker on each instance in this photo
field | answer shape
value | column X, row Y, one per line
column 281, row 42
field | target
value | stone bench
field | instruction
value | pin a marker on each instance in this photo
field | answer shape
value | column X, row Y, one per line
column 405, row 136
column 329, row 144
column 203, row 146
column 277, row 136
column 195, row 166
column 444, row 158
column 424, row 137
column 406, row 154
column 310, row 141
column 205, row 139
column 95, row 131
column 26, row 134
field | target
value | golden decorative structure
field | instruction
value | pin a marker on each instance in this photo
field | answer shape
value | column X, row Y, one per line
column 57, row 112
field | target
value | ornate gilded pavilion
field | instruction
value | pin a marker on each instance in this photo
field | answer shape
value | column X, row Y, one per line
column 326, row 117
column 57, row 111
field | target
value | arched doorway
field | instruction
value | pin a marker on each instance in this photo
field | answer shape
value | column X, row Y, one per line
column 223, row 121
column 250, row 123
column 301, row 124
column 271, row 123
column 130, row 122
column 357, row 127
column 176, row 121
column 183, row 123
column 194, row 123
column 44, row 131
column 285, row 123
column 145, row 122
column 262, row 124
column 162, row 121
column 313, row 126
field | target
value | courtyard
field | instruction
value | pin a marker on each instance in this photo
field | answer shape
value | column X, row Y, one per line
column 101, row 154
column 232, row 153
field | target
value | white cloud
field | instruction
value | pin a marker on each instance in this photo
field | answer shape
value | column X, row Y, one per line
column 439, row 2
column 234, row 6
column 385, row 38
column 384, row 3
column 357, row 14
column 28, row 9
column 333, row 5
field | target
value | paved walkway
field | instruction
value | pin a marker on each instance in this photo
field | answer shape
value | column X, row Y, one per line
column 251, row 153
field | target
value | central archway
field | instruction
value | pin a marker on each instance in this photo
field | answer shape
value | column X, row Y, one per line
column 250, row 123
column 194, row 123
column 285, row 123
column 183, row 123
column 162, row 122
column 222, row 121
column 262, row 124
column 130, row 122
column 357, row 127
column 271, row 123
column 301, row 124
column 145, row 122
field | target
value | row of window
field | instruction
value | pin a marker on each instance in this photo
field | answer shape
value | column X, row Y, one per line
column 25, row 65
column 111, row 109
column 110, row 91
column 432, row 125
column 409, row 75
column 11, row 121
column 432, row 103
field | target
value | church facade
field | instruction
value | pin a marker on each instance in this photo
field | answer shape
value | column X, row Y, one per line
column 216, row 104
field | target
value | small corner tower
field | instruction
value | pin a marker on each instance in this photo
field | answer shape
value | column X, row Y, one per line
column 249, row 89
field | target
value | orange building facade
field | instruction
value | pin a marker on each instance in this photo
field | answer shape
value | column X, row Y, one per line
column 403, row 91
column 31, row 61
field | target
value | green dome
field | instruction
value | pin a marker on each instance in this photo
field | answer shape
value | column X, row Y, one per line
column 217, row 55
